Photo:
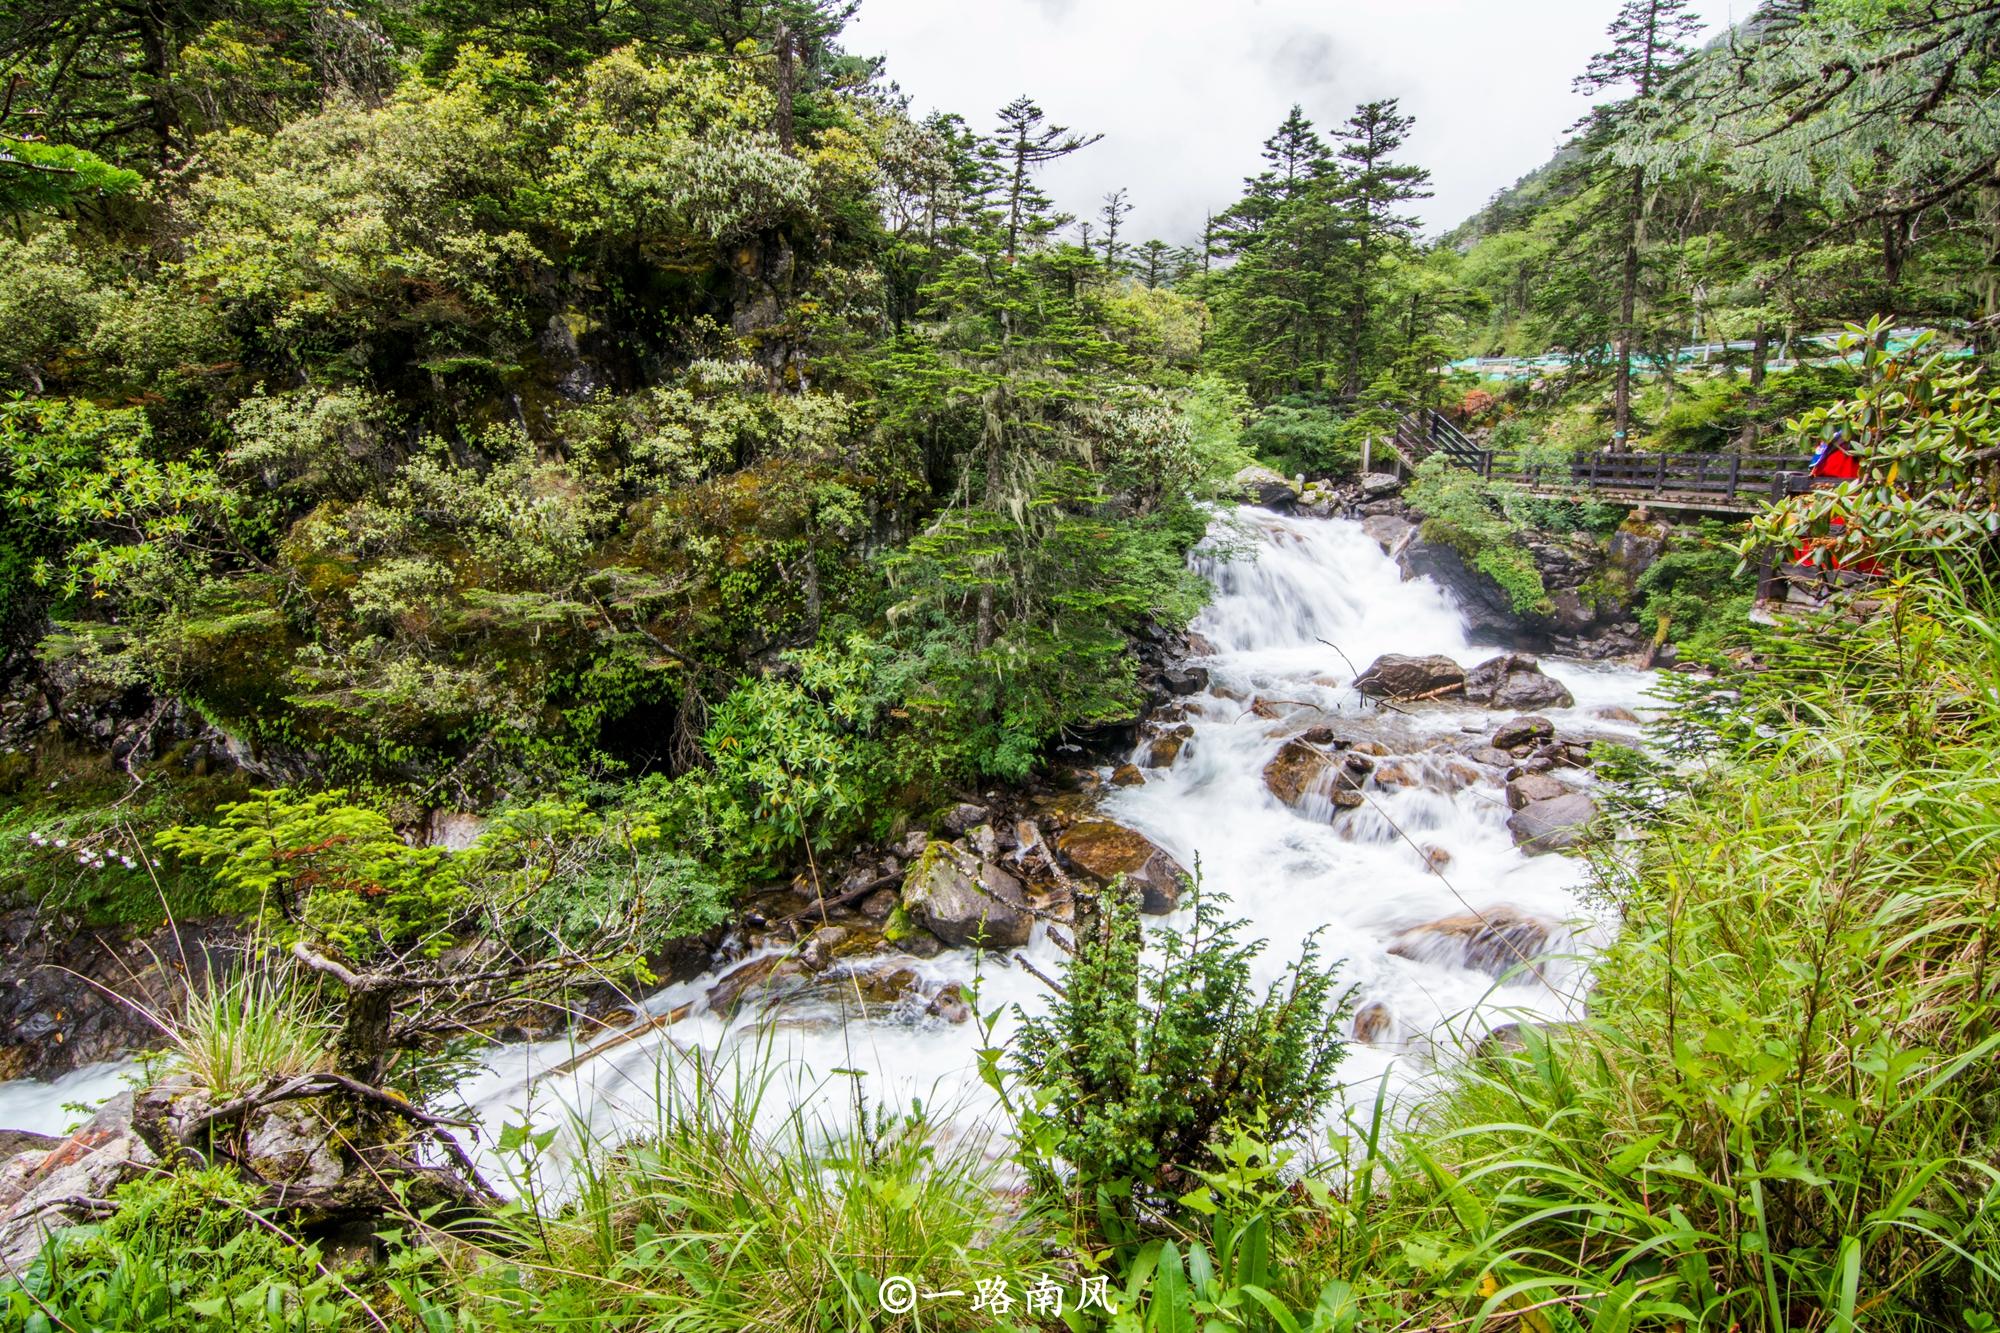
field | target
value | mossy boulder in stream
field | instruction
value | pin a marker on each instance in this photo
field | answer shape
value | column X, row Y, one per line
column 964, row 900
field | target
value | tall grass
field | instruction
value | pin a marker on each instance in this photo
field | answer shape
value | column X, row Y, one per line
column 710, row 1222
column 1781, row 1110
column 259, row 1022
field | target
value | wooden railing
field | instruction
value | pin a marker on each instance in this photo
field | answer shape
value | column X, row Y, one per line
column 1720, row 481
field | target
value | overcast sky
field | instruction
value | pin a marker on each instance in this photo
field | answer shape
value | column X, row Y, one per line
column 1186, row 91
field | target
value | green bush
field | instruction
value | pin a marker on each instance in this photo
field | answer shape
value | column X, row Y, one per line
column 1469, row 514
column 1139, row 1066
column 184, row 1251
column 1698, row 591
column 1297, row 435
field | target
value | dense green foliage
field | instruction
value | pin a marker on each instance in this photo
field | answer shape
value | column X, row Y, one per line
column 1139, row 1066
column 1462, row 510
column 503, row 405
column 630, row 423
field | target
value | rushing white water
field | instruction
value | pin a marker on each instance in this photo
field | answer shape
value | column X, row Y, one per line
column 1285, row 589
column 1299, row 605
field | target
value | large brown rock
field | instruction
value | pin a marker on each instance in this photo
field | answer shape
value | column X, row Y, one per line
column 1515, row 680
column 1104, row 850
column 1496, row 941
column 1294, row 769
column 964, row 900
column 1525, row 730
column 1395, row 676
column 1554, row 825
column 1531, row 787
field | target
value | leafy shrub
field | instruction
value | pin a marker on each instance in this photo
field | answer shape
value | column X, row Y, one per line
column 1139, row 1066
column 1697, row 590
column 794, row 763
column 1467, row 513
column 1298, row 435
column 1925, row 435
column 183, row 1251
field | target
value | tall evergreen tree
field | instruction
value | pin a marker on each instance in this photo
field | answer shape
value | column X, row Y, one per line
column 1374, row 187
column 1116, row 209
column 1648, row 43
column 1026, row 143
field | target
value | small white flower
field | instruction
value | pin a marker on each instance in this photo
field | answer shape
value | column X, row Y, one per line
column 129, row 863
column 61, row 843
column 37, row 839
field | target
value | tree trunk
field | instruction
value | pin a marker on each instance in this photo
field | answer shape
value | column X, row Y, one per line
column 787, row 85
column 1628, row 303
column 1760, row 347
column 363, row 1048
column 995, row 432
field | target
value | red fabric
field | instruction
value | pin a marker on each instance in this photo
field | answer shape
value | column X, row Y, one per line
column 1838, row 464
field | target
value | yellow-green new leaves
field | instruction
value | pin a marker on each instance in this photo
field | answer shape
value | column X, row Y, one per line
column 86, row 505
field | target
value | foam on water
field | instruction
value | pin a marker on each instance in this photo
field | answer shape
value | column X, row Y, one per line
column 1299, row 606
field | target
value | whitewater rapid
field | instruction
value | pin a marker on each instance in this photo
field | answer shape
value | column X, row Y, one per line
column 1299, row 605
column 1284, row 590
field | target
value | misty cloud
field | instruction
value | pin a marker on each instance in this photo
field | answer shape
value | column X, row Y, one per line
column 1186, row 91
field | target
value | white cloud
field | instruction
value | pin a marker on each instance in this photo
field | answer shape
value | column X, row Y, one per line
column 1186, row 91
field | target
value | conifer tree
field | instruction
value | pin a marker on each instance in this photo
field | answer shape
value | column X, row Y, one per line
column 1116, row 209
column 1648, row 43
column 1374, row 187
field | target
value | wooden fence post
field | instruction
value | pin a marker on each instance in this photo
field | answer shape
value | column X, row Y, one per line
column 1767, row 576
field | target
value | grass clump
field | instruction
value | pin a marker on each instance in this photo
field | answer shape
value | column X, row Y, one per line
column 258, row 1023
column 1781, row 1110
column 717, row 1219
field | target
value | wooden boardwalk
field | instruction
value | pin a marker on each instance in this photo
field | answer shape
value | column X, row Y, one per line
column 1706, row 483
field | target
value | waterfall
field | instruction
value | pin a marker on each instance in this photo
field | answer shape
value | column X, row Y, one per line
column 1299, row 606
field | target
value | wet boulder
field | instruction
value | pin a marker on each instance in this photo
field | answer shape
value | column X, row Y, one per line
column 49, row 1189
column 1388, row 531
column 1165, row 748
column 1497, row 941
column 762, row 979
column 1380, row 485
column 1373, row 1023
column 1531, row 787
column 1127, row 775
column 1104, row 850
column 1294, row 770
column 965, row 900
column 1515, row 680
column 1552, row 825
column 1526, row 730
column 963, row 817
column 1260, row 485
column 1396, row 676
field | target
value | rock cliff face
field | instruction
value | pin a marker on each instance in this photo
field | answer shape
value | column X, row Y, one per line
column 74, row 998
column 1591, row 583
